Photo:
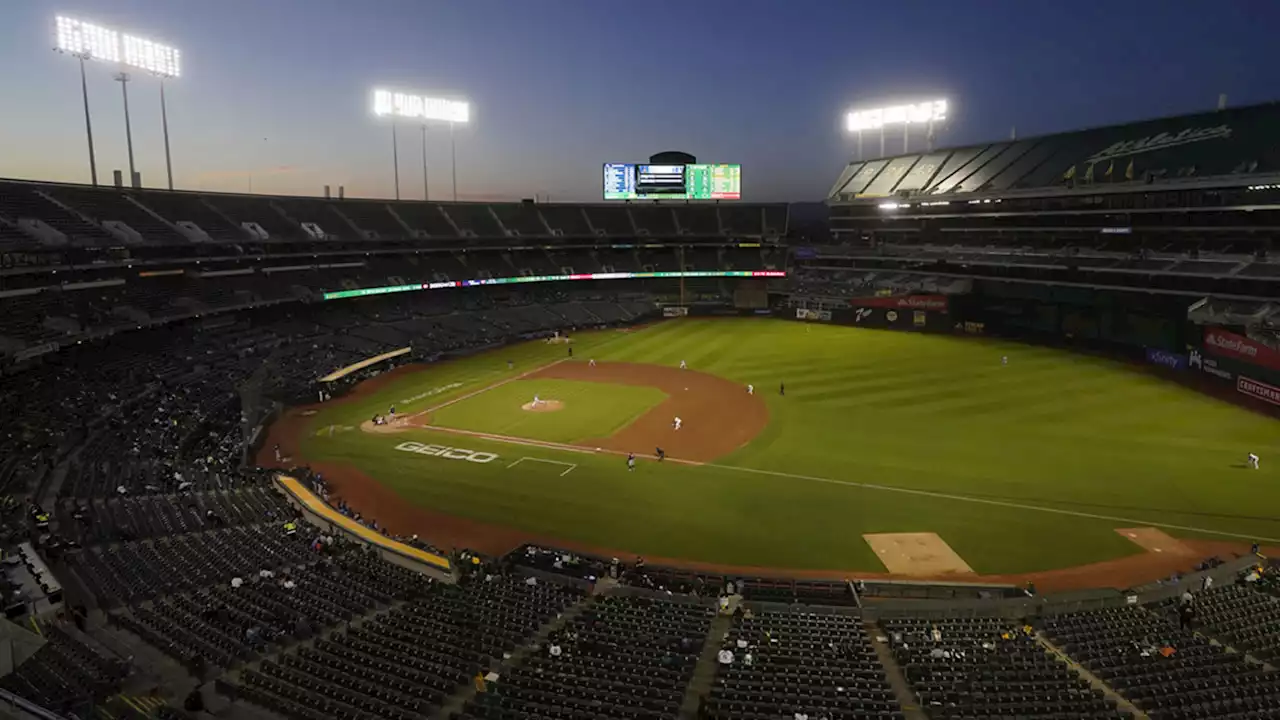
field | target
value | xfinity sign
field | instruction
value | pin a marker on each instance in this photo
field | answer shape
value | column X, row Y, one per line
column 448, row 453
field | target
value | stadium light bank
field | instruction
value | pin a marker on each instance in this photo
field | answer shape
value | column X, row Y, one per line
column 928, row 113
column 393, row 104
column 88, row 41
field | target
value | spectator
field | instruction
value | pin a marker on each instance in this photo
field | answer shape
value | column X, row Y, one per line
column 726, row 656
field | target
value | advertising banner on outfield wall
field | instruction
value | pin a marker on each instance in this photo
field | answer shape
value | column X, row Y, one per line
column 807, row 314
column 1164, row 358
column 889, row 319
column 935, row 303
column 1258, row 390
column 1196, row 360
column 1238, row 347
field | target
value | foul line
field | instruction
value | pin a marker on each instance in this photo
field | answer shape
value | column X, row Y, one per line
column 571, row 466
column 511, row 440
column 485, row 389
column 873, row 486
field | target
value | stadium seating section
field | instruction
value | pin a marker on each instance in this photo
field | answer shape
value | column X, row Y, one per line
column 146, row 334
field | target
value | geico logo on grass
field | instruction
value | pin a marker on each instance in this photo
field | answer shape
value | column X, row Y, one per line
column 448, row 453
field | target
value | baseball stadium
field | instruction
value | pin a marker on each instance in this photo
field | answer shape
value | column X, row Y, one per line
column 991, row 432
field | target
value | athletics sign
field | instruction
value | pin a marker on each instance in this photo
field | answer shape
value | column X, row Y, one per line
column 448, row 453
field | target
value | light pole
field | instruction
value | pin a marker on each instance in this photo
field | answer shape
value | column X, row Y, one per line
column 453, row 161
column 164, row 122
column 395, row 158
column 123, row 79
column 88, row 124
column 426, row 187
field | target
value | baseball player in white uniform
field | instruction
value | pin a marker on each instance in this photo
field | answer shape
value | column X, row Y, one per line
column 684, row 365
column 677, row 423
column 751, row 389
column 536, row 401
column 1253, row 461
column 592, row 362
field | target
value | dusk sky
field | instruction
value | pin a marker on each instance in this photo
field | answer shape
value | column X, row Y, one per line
column 277, row 92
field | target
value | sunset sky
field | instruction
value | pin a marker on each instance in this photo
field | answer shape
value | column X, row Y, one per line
column 276, row 93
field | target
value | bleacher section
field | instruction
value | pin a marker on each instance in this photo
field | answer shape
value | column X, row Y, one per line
column 1234, row 141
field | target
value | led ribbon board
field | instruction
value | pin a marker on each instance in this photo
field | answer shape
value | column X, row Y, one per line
column 363, row 292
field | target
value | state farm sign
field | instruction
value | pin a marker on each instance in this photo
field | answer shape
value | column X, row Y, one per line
column 937, row 303
column 1228, row 344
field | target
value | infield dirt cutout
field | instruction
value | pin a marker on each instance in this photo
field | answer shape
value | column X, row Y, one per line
column 543, row 406
column 916, row 554
column 717, row 416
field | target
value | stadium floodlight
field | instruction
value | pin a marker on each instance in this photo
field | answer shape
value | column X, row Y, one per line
column 423, row 108
column 927, row 113
column 90, row 41
column 153, row 57
column 87, row 41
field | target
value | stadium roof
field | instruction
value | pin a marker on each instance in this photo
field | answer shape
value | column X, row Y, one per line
column 1234, row 144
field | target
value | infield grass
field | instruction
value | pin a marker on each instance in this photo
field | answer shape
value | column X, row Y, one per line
column 953, row 442
column 589, row 410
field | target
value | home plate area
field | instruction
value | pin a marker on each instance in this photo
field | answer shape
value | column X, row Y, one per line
column 919, row 554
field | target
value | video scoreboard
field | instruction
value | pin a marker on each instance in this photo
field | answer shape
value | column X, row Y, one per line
column 629, row 181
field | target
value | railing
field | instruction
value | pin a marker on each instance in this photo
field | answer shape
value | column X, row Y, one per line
column 19, row 707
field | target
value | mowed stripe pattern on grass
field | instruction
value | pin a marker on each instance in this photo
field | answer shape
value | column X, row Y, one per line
column 930, row 413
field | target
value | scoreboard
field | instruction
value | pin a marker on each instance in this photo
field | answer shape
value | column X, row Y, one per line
column 628, row 181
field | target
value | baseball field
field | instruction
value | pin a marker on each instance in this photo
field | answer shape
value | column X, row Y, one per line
column 898, row 453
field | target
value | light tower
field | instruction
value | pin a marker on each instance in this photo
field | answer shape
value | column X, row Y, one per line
column 418, row 107
column 86, row 41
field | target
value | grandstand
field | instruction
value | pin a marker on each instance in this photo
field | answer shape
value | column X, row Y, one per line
column 1181, row 206
column 154, row 571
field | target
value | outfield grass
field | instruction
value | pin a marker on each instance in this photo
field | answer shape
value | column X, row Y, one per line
column 590, row 410
column 920, row 417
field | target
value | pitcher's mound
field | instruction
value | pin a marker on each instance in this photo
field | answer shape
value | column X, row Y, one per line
column 916, row 554
column 543, row 406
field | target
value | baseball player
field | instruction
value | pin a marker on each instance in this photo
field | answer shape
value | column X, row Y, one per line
column 782, row 388
column 751, row 389
column 631, row 462
column 392, row 412
column 1004, row 359
column 684, row 365
column 1253, row 461
column 662, row 454
column 591, row 362
column 536, row 401
column 677, row 423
